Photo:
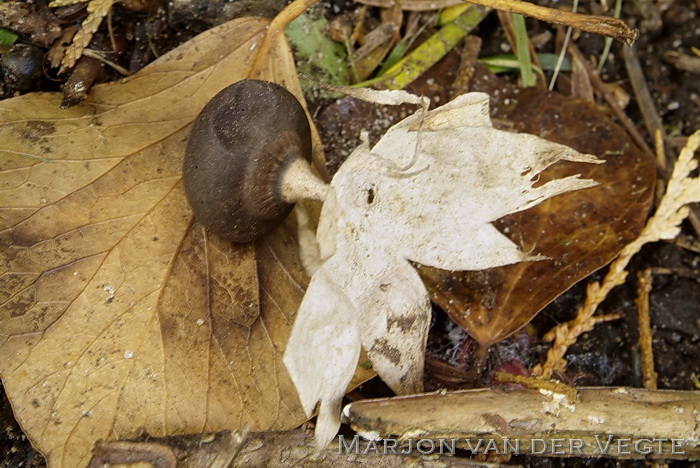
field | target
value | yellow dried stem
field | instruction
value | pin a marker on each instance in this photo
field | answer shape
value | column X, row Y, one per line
column 665, row 224
column 276, row 28
column 62, row 3
column 604, row 25
column 645, row 342
column 97, row 10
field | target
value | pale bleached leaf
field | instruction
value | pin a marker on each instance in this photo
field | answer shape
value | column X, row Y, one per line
column 395, row 335
column 427, row 192
column 322, row 368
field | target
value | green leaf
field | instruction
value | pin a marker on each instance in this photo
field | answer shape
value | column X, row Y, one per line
column 508, row 62
column 7, row 36
column 522, row 50
column 318, row 56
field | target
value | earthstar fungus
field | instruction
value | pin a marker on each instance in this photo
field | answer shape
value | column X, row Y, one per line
column 426, row 193
column 247, row 160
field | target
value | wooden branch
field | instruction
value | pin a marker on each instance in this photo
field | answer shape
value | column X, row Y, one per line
column 613, row 422
column 604, row 25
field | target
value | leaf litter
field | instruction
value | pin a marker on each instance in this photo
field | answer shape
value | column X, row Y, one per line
column 106, row 287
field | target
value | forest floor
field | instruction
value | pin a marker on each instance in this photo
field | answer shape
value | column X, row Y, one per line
column 668, row 50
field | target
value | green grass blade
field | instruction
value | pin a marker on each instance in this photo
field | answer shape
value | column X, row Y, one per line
column 522, row 51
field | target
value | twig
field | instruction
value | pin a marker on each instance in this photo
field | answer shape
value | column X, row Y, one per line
column 118, row 452
column 665, row 224
column 276, row 28
column 605, row 25
column 645, row 341
column 98, row 56
column 492, row 415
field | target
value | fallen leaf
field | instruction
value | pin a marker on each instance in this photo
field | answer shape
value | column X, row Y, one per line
column 399, row 202
column 579, row 231
column 120, row 314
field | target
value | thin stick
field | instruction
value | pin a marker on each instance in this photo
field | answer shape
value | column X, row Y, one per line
column 645, row 341
column 603, row 25
column 98, row 56
column 286, row 16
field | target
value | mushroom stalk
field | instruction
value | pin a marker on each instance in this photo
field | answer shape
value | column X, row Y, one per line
column 298, row 182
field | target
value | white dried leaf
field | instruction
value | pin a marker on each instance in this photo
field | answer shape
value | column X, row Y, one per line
column 427, row 192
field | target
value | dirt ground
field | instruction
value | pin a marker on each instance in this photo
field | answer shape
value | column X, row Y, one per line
column 609, row 354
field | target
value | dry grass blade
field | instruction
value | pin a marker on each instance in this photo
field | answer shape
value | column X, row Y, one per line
column 610, row 100
column 651, row 116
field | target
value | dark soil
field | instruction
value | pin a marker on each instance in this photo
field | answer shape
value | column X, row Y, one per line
column 609, row 354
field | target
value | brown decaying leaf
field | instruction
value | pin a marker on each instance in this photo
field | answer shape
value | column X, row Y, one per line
column 34, row 21
column 120, row 314
column 580, row 231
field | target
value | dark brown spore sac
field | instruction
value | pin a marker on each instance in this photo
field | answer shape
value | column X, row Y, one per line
column 239, row 146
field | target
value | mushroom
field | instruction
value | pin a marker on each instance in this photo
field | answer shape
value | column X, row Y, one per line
column 247, row 160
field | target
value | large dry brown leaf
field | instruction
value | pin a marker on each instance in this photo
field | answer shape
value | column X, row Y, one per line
column 580, row 231
column 120, row 314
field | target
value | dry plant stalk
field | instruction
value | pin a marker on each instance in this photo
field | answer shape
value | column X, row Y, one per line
column 665, row 224
column 604, row 25
column 645, row 341
column 97, row 9
column 276, row 28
